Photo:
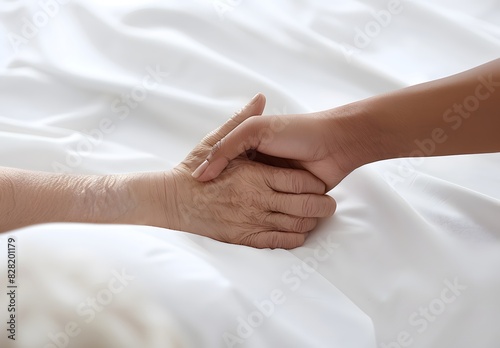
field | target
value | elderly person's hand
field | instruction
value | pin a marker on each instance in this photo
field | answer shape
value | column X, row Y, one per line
column 250, row 203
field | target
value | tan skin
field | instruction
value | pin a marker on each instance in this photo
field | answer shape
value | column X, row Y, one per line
column 263, row 206
column 459, row 114
column 250, row 203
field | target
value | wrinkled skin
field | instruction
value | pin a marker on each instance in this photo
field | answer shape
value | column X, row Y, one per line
column 251, row 203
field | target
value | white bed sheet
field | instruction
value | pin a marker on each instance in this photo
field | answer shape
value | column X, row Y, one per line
column 400, row 238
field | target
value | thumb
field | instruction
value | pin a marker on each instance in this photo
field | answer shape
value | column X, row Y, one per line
column 253, row 108
column 244, row 137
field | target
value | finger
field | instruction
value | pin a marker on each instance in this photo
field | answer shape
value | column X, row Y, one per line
column 303, row 205
column 242, row 138
column 275, row 239
column 277, row 136
column 253, row 108
column 289, row 223
column 294, row 181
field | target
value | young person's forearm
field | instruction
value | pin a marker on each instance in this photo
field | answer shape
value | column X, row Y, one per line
column 455, row 115
column 459, row 114
column 30, row 197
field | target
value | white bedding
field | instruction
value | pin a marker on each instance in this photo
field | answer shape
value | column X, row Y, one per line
column 410, row 258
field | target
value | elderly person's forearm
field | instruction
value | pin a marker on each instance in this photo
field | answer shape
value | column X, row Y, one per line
column 31, row 197
column 251, row 203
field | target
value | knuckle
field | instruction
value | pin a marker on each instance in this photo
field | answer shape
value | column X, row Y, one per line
column 278, row 177
column 209, row 138
column 309, row 206
column 303, row 224
column 216, row 147
column 295, row 183
column 252, row 122
column 263, row 218
column 252, row 240
column 236, row 116
column 275, row 240
column 252, row 126
column 292, row 241
column 275, row 202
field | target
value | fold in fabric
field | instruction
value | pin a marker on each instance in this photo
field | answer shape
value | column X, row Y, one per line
column 410, row 257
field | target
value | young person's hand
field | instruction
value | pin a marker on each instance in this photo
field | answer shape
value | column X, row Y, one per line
column 326, row 144
column 455, row 115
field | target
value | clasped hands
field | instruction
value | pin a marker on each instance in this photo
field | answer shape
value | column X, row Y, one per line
column 276, row 196
column 264, row 205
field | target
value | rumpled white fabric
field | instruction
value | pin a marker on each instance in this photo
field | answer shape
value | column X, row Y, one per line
column 410, row 258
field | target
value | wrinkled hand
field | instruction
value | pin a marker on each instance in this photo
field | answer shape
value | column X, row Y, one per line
column 250, row 203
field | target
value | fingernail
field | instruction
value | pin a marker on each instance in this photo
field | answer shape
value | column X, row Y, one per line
column 198, row 171
column 253, row 100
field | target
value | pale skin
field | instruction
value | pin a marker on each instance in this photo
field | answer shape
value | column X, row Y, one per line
column 250, row 203
column 459, row 114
